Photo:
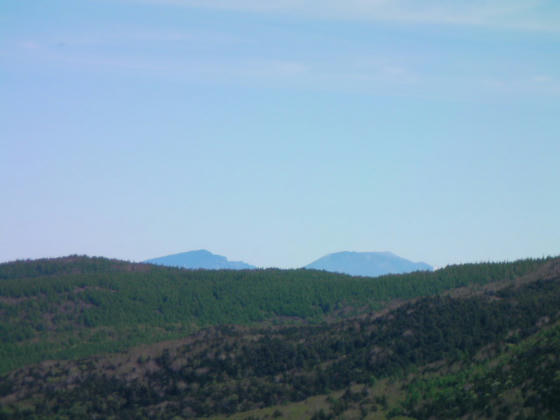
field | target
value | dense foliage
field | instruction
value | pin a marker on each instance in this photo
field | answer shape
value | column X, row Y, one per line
column 72, row 264
column 503, row 341
column 77, row 306
column 523, row 380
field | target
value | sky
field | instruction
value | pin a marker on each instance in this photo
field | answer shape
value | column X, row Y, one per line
column 278, row 132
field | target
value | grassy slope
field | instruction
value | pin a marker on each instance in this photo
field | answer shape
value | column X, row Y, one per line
column 375, row 403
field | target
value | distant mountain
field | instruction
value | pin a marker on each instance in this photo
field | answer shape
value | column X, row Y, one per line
column 200, row 259
column 367, row 264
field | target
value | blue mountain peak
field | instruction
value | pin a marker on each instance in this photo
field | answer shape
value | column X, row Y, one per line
column 200, row 258
column 369, row 264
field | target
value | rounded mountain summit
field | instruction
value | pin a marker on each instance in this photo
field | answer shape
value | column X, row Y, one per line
column 367, row 264
column 200, row 259
column 370, row 264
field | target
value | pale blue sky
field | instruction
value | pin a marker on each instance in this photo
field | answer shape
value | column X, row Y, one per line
column 277, row 132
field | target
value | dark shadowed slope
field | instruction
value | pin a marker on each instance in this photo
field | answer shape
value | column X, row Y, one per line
column 200, row 259
column 367, row 264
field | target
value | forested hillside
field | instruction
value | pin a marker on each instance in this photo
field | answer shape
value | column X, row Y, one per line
column 77, row 306
column 464, row 340
column 487, row 352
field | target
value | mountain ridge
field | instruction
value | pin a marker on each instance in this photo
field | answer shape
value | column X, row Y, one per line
column 200, row 259
column 371, row 264
column 366, row 264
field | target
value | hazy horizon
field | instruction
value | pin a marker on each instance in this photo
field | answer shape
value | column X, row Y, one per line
column 278, row 133
column 287, row 267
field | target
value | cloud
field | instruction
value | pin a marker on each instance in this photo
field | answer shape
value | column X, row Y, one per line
column 29, row 45
column 538, row 15
column 341, row 74
column 175, row 67
column 547, row 83
column 541, row 78
column 133, row 35
column 364, row 74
